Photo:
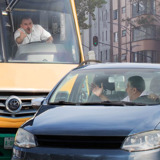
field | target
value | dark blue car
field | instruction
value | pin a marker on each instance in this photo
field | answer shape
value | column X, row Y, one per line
column 96, row 112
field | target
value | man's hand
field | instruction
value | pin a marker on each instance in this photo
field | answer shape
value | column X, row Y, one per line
column 22, row 33
column 153, row 96
column 96, row 90
column 50, row 39
column 20, row 39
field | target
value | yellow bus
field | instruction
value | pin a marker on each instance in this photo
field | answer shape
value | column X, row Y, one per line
column 30, row 70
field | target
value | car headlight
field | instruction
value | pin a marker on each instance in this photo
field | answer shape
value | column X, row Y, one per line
column 142, row 142
column 24, row 139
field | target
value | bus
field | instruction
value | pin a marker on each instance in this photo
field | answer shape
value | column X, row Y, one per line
column 31, row 70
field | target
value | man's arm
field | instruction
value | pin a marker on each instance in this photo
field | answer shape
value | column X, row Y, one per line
column 50, row 39
column 45, row 35
column 20, row 39
column 98, row 91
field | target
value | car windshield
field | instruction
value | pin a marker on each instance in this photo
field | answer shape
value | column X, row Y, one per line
column 56, row 18
column 78, row 87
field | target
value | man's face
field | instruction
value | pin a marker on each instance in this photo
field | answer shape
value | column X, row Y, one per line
column 27, row 25
column 130, row 91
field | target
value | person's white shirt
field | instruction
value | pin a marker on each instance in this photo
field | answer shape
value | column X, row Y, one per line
column 144, row 93
column 38, row 34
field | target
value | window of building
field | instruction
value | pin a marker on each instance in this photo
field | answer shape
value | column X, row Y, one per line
column 106, row 55
column 145, row 56
column 123, row 10
column 135, row 57
column 115, row 36
column 123, row 57
column 115, row 58
column 144, row 32
column 124, row 33
column 106, row 35
column 102, row 36
column 101, row 56
column 115, row 14
column 143, row 7
column 106, row 14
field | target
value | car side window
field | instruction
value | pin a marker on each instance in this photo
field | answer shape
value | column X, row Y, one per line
column 65, row 90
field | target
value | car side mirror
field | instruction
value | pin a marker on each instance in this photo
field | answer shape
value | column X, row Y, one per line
column 36, row 103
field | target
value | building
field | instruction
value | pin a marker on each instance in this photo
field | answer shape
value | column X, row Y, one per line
column 101, row 29
column 135, row 26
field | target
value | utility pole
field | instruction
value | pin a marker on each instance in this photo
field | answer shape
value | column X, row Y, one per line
column 90, row 34
column 131, row 55
column 119, row 31
column 111, row 31
column 98, row 32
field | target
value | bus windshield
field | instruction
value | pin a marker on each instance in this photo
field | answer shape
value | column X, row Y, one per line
column 55, row 18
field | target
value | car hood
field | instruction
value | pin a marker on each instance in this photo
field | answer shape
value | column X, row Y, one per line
column 95, row 120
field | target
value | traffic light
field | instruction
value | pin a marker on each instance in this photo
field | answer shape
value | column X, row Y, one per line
column 95, row 40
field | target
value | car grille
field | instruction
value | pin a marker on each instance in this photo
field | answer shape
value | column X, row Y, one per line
column 85, row 142
column 26, row 97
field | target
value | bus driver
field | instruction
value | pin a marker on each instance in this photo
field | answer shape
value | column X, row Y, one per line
column 30, row 32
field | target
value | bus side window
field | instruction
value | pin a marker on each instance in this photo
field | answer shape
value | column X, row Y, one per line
column 0, row 50
column 9, row 36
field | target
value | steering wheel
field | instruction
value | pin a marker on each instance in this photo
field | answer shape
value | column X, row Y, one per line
column 43, row 41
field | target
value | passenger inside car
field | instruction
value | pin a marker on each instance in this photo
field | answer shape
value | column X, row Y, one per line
column 154, row 89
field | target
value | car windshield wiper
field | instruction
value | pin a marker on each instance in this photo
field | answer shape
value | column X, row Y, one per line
column 114, row 103
column 133, row 103
column 105, row 103
column 62, row 103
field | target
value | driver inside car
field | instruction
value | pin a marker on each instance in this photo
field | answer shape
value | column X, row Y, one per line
column 29, row 32
column 135, row 89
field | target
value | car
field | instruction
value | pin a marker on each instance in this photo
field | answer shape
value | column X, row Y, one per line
column 87, row 116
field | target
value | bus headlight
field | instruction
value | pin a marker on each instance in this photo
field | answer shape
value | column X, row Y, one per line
column 24, row 139
column 142, row 142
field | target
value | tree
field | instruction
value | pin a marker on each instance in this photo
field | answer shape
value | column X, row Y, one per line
column 85, row 7
column 144, row 22
column 144, row 11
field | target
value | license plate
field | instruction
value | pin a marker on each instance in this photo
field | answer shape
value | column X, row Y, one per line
column 8, row 142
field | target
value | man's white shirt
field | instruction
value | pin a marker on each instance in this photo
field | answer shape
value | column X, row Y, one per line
column 38, row 34
column 144, row 93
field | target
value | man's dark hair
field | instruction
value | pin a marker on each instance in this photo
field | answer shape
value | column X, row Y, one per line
column 137, row 82
column 24, row 17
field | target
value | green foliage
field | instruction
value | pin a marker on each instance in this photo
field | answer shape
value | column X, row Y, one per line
column 146, row 13
column 147, row 20
column 85, row 7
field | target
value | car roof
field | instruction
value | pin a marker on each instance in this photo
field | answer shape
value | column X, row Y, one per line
column 120, row 66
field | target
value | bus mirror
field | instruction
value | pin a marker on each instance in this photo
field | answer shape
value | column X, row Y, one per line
column 36, row 103
column 91, row 55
